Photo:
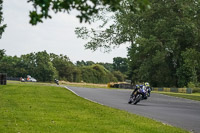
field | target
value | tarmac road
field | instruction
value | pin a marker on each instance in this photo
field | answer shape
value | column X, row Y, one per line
column 174, row 111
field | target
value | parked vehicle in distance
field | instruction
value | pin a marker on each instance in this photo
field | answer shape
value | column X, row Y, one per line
column 32, row 80
column 22, row 79
column 28, row 79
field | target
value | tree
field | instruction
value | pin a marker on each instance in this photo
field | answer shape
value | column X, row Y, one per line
column 96, row 74
column 2, row 53
column 84, row 63
column 165, row 31
column 108, row 66
column 13, row 66
column 2, row 27
column 89, row 63
column 87, row 8
column 28, row 62
column 120, row 77
column 45, row 71
column 158, row 37
column 120, row 64
column 190, row 68
column 111, row 35
column 8, row 65
column 39, row 66
column 66, row 69
column 80, row 63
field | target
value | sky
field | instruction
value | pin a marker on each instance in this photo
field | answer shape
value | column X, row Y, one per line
column 54, row 35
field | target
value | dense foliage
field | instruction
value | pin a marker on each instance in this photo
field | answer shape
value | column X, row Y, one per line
column 164, row 41
column 97, row 74
column 166, row 49
column 86, row 8
column 2, row 27
column 120, row 64
column 46, row 67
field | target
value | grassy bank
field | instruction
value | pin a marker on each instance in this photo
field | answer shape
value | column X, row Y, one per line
column 193, row 96
column 87, row 85
column 33, row 108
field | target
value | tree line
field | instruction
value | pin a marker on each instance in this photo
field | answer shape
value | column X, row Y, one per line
column 164, row 36
column 164, row 40
column 46, row 67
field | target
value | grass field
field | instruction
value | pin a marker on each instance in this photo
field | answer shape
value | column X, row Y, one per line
column 193, row 96
column 36, row 108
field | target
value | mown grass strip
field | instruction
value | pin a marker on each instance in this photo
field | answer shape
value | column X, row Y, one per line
column 193, row 96
column 29, row 108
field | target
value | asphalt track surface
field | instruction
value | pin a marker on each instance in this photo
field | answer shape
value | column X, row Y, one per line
column 170, row 110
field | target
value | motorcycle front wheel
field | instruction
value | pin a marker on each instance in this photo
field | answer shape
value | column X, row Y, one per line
column 137, row 99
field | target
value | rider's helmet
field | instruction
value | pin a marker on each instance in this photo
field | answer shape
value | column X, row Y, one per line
column 146, row 84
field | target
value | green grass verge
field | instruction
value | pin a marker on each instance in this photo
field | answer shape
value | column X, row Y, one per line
column 33, row 108
column 193, row 96
column 86, row 86
column 90, row 86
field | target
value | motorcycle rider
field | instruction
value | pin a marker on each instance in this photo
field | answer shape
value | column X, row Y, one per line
column 147, row 87
column 142, row 91
column 56, row 81
column 133, row 95
column 136, row 89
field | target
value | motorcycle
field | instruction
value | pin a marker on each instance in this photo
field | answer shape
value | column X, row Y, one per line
column 135, row 99
column 138, row 95
column 56, row 81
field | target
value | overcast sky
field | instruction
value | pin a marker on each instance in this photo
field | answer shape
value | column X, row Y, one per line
column 54, row 35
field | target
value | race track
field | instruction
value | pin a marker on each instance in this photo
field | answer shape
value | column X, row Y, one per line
column 174, row 111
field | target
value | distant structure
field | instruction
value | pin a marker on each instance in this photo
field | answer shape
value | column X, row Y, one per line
column 3, row 79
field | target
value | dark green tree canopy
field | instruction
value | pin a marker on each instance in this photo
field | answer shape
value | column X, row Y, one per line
column 120, row 64
column 84, row 63
column 2, row 53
